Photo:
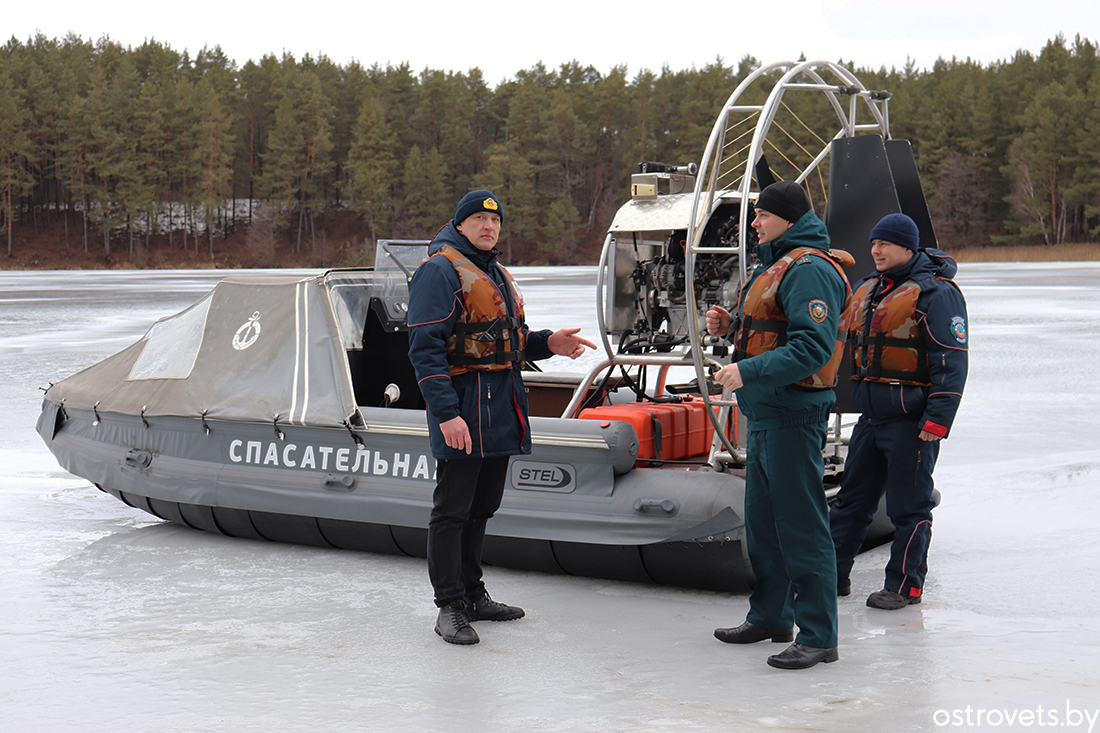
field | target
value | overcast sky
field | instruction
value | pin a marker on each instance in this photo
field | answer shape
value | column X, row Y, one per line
column 502, row 38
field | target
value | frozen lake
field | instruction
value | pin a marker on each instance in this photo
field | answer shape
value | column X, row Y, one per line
column 114, row 621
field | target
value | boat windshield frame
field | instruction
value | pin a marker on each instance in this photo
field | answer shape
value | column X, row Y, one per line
column 352, row 291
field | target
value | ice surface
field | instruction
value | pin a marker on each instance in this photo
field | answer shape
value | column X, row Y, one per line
column 113, row 621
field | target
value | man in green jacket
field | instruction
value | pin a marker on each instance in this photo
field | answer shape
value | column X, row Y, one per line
column 784, row 366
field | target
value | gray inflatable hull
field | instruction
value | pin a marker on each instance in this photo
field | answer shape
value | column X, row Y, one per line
column 576, row 505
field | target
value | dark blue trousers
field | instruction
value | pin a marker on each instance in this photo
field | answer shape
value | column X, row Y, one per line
column 468, row 492
column 787, row 528
column 887, row 458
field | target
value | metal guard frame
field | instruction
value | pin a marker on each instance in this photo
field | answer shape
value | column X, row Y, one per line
column 707, row 197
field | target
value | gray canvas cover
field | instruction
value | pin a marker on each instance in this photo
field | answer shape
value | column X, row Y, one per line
column 254, row 349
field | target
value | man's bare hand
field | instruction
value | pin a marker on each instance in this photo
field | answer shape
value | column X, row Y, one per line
column 729, row 377
column 566, row 342
column 456, row 434
column 718, row 321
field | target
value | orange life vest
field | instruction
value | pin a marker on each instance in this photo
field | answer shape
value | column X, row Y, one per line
column 887, row 345
column 763, row 326
column 491, row 339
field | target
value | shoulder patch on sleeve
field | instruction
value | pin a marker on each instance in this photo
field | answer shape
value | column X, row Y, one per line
column 958, row 328
column 819, row 310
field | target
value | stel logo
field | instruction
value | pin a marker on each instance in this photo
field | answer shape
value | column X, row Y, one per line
column 535, row 476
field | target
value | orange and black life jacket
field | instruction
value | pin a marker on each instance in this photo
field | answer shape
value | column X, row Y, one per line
column 763, row 326
column 887, row 345
column 491, row 339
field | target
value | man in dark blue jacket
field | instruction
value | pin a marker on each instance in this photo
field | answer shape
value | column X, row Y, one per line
column 908, row 335
column 467, row 342
column 784, row 388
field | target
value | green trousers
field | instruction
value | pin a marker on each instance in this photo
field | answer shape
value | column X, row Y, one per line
column 787, row 528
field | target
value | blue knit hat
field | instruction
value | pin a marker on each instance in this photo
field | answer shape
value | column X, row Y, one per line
column 475, row 201
column 897, row 229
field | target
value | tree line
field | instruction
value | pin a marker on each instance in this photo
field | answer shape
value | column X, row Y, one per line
column 149, row 147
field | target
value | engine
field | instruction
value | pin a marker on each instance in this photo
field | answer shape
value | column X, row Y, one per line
column 650, row 310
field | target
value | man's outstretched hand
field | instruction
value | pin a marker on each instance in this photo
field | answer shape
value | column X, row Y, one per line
column 566, row 342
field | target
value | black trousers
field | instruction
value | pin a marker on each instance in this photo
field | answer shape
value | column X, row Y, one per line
column 467, row 494
column 887, row 458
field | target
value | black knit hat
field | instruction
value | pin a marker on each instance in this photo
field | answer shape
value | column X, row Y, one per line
column 897, row 229
column 475, row 201
column 785, row 199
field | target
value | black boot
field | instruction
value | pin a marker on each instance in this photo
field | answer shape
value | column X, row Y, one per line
column 747, row 633
column 486, row 609
column 454, row 625
column 891, row 601
column 799, row 656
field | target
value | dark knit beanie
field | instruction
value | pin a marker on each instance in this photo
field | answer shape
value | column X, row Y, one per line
column 475, row 201
column 897, row 229
column 785, row 199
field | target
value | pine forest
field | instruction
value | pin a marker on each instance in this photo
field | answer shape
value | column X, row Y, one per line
column 120, row 156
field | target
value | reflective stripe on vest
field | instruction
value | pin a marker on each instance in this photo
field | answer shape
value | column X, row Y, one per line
column 763, row 326
column 492, row 339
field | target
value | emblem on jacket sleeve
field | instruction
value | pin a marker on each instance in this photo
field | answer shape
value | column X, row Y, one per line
column 958, row 327
column 819, row 311
column 248, row 333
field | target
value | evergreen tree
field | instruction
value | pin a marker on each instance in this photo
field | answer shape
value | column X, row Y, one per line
column 281, row 163
column 1086, row 182
column 14, row 145
column 511, row 177
column 371, row 166
column 215, row 154
column 114, row 84
column 427, row 204
column 559, row 229
column 1040, row 159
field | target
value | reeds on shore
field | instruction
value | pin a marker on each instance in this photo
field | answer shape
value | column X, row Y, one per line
column 1086, row 252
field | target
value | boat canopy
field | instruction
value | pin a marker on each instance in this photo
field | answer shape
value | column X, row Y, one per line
column 257, row 349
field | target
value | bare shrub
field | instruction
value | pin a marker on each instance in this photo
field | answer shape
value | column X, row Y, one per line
column 261, row 237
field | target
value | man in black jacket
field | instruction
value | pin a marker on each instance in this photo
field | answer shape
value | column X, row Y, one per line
column 908, row 336
column 467, row 340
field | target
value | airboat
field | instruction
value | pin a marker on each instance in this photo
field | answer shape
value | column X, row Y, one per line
column 286, row 409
